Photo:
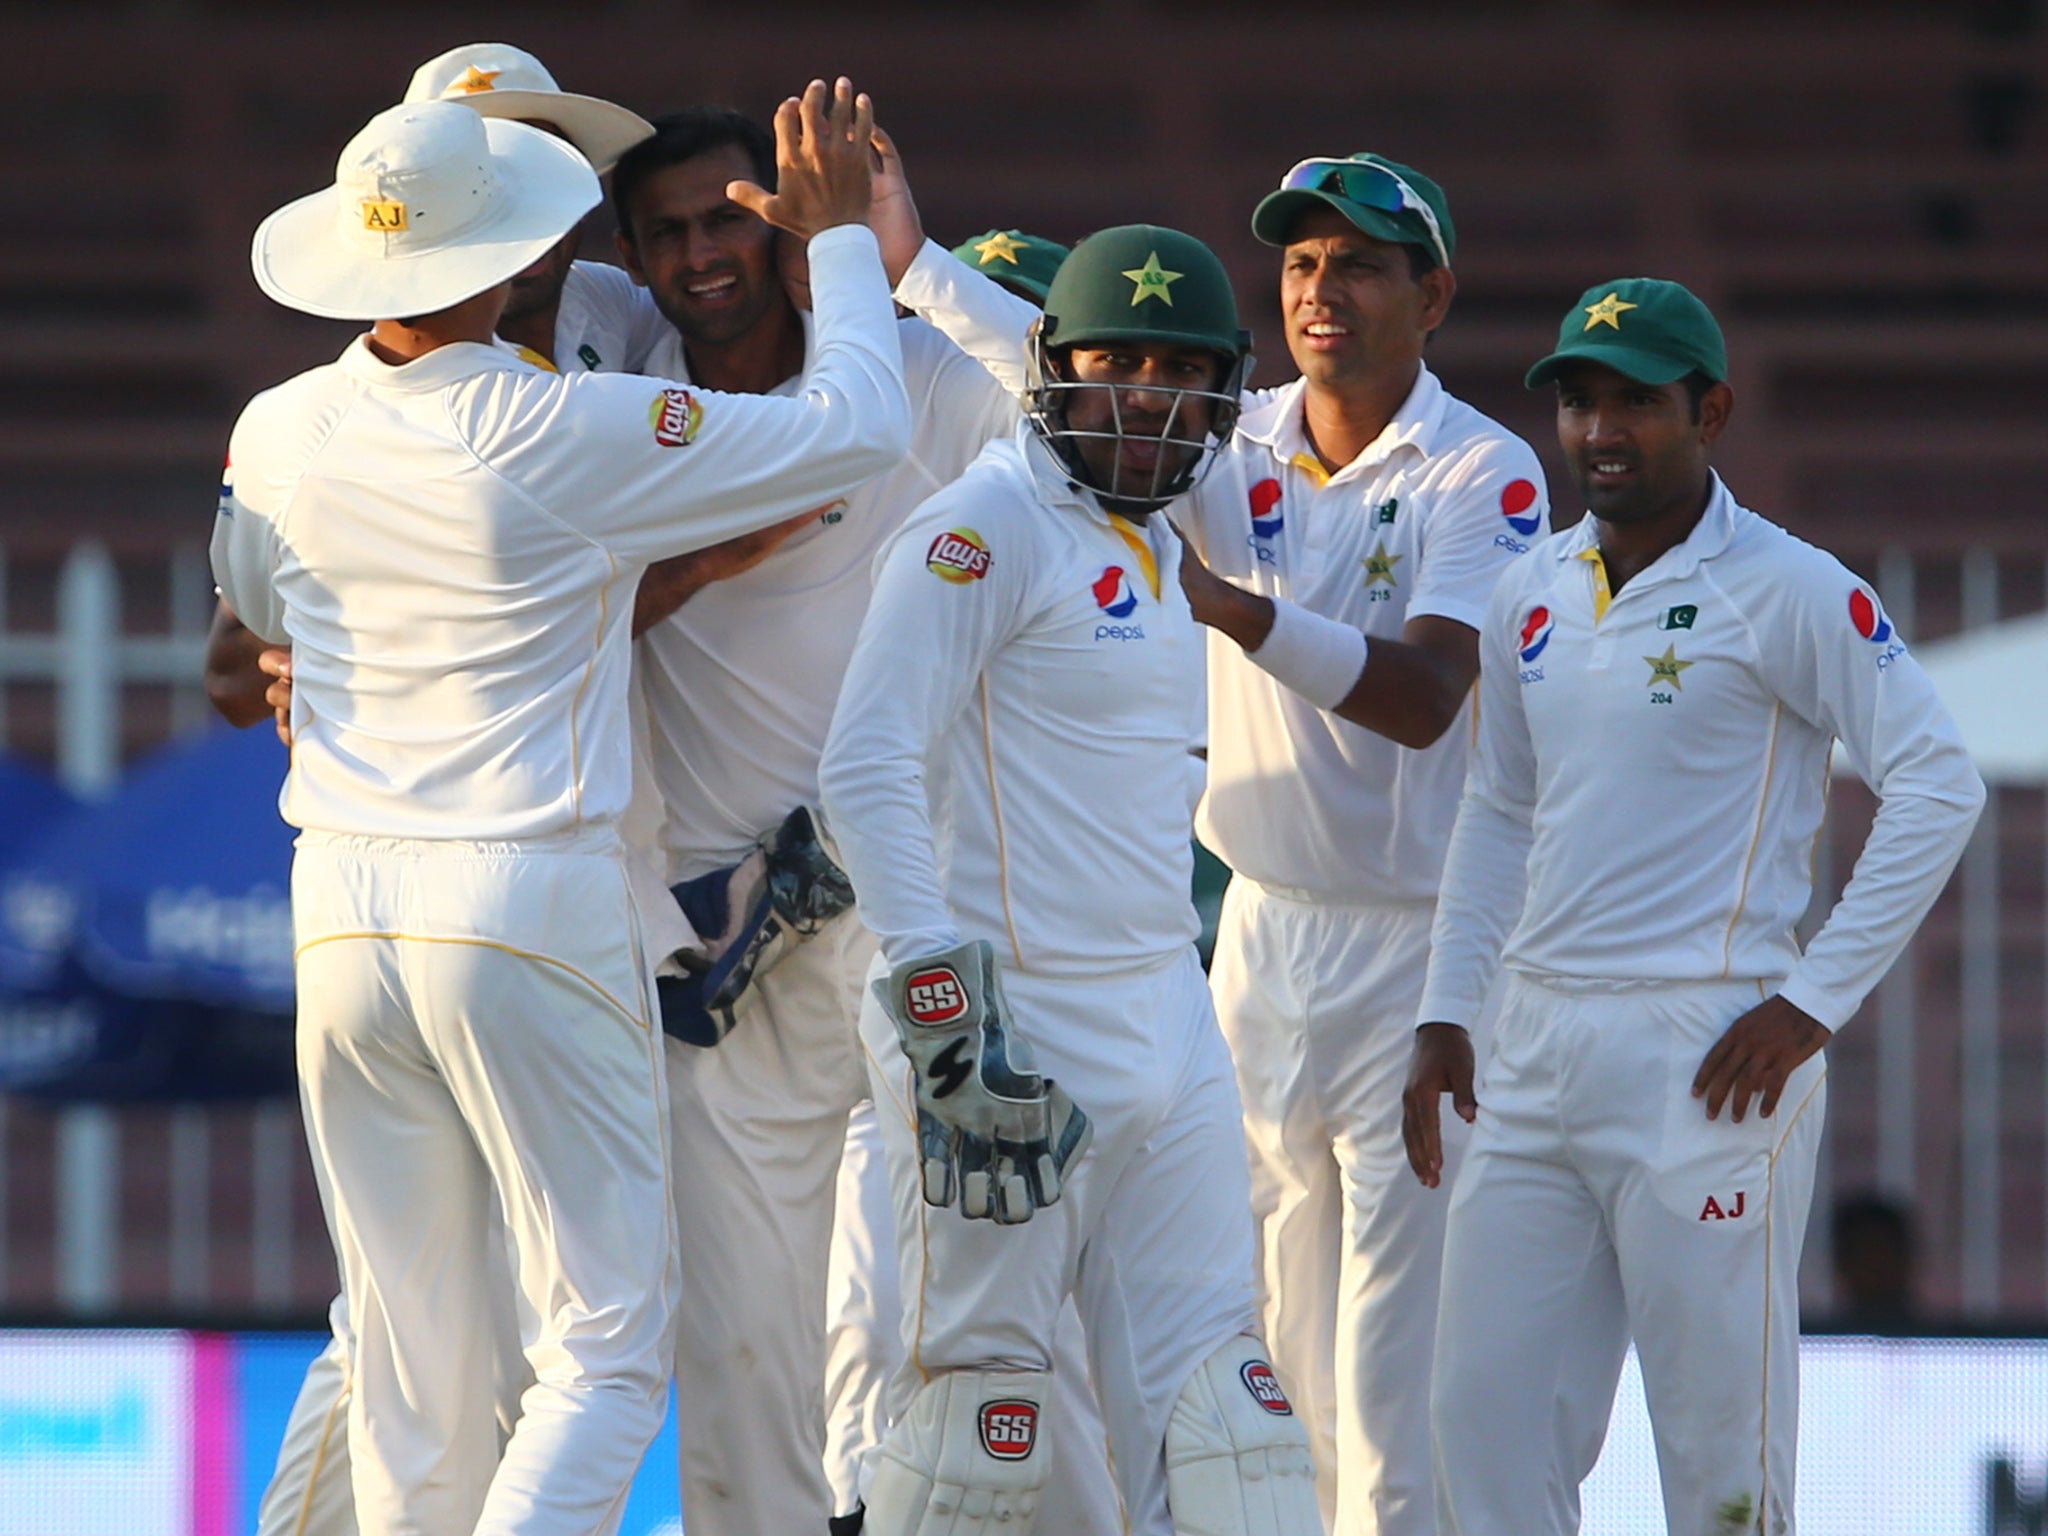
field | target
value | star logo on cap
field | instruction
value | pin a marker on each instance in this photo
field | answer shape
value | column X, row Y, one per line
column 1608, row 311
column 474, row 80
column 1152, row 281
column 1379, row 566
column 1000, row 247
column 1665, row 668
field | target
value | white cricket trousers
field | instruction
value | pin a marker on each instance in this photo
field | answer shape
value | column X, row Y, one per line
column 475, row 1030
column 1152, row 1236
column 1318, row 1003
column 759, row 1122
column 866, row 1388
column 1598, row 1202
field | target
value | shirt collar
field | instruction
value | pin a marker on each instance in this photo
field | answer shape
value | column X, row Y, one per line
column 1710, row 535
column 436, row 370
column 1282, row 427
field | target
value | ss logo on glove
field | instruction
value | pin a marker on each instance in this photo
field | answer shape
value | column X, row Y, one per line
column 935, row 997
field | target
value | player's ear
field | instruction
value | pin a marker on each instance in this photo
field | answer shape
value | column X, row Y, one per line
column 1716, row 406
column 629, row 257
column 1439, row 286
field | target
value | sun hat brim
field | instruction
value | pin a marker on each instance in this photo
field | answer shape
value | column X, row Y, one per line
column 603, row 130
column 302, row 261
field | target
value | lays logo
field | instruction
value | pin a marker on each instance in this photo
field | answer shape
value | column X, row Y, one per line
column 958, row 555
column 676, row 416
column 1518, row 506
column 1113, row 594
column 1267, row 520
column 1535, row 635
column 1009, row 1428
column 1265, row 1388
column 1868, row 615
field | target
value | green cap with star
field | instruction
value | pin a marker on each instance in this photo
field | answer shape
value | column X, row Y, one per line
column 1645, row 328
column 1140, row 282
column 1014, row 259
column 1384, row 198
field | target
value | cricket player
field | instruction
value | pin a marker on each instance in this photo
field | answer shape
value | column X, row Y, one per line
column 1005, row 777
column 1342, row 557
column 1660, row 688
column 740, row 682
column 567, row 316
column 461, row 765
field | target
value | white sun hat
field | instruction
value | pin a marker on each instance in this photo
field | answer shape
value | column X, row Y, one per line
column 499, row 80
column 431, row 205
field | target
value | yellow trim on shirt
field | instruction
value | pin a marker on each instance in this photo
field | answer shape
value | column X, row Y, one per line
column 1140, row 548
column 1603, row 595
column 1756, row 839
column 430, row 938
column 533, row 357
column 1311, row 466
column 995, row 800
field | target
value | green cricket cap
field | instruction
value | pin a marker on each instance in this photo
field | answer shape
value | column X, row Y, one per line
column 1011, row 256
column 1649, row 330
column 1386, row 199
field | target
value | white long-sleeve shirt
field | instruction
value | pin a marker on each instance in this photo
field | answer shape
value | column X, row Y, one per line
column 451, row 547
column 1007, row 755
column 1650, row 774
column 1422, row 522
column 740, row 681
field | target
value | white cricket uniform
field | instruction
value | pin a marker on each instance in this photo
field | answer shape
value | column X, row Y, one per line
column 451, row 548
column 1024, row 689
column 1649, row 778
column 740, row 683
column 602, row 325
column 1336, row 836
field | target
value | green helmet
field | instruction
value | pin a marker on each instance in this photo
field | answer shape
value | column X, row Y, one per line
column 1138, row 283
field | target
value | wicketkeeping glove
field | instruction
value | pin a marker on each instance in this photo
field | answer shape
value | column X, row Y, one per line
column 991, row 1131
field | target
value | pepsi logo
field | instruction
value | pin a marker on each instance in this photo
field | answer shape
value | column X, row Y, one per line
column 1265, row 1388
column 1113, row 594
column 935, row 996
column 1868, row 615
column 1009, row 1428
column 1266, row 518
column 1535, row 635
column 1518, row 506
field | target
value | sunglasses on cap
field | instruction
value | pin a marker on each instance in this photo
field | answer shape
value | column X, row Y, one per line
column 1370, row 186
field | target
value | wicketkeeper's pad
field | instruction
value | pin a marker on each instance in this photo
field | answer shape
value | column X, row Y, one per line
column 964, row 1459
column 1237, row 1457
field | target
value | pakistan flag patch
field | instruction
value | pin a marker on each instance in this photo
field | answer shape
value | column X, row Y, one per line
column 1680, row 617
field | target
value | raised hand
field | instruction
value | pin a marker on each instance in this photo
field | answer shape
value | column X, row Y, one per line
column 893, row 212
column 824, row 162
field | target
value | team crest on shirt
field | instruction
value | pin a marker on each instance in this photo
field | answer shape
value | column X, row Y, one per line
column 1536, row 628
column 1009, row 1428
column 958, row 555
column 1267, row 520
column 1265, row 1388
column 676, row 416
